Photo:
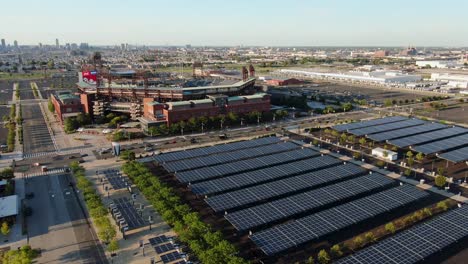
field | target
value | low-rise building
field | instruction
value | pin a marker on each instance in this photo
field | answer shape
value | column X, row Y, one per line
column 66, row 104
column 156, row 113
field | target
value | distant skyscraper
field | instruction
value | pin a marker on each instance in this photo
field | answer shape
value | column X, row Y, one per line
column 57, row 45
column 122, row 46
column 40, row 45
column 3, row 44
column 15, row 43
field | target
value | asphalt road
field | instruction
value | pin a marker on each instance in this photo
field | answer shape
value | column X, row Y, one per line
column 58, row 224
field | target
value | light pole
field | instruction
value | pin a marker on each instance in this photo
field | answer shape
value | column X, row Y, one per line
column 242, row 121
column 202, row 126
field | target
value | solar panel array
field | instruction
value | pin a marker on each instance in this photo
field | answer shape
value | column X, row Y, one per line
column 244, row 165
column 417, row 243
column 170, row 257
column 219, row 158
column 428, row 137
column 258, row 193
column 191, row 153
column 267, row 174
column 164, row 248
column 457, row 155
column 116, row 180
column 306, row 201
column 284, row 236
column 385, row 120
column 444, row 144
column 406, row 131
column 128, row 212
column 386, row 127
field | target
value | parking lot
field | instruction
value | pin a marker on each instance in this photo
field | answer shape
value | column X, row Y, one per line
column 25, row 90
column 125, row 214
column 36, row 135
column 6, row 91
column 116, row 180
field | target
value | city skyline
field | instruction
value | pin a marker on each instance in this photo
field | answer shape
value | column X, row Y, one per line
column 263, row 23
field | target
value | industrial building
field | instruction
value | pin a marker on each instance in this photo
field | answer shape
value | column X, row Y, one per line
column 155, row 101
column 452, row 80
column 378, row 77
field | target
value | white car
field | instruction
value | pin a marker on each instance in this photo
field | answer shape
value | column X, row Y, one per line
column 107, row 131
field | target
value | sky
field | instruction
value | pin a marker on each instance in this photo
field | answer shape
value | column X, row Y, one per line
column 241, row 22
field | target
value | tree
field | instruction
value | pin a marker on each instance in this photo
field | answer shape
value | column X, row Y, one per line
column 442, row 205
column 323, row 257
column 440, row 181
column 24, row 255
column 388, row 103
column 335, row 251
column 369, row 236
column 5, row 229
column 390, row 227
column 419, row 156
column 113, row 246
column 410, row 162
column 51, row 106
column 358, row 242
column 362, row 142
column 7, row 174
column 70, row 125
column 310, row 260
column 409, row 154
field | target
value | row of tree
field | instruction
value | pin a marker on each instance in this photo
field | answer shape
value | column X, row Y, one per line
column 360, row 241
column 71, row 124
column 23, row 255
column 207, row 245
column 197, row 124
column 34, row 89
column 97, row 210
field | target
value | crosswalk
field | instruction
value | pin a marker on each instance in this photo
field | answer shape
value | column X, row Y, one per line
column 49, row 172
column 39, row 154
column 52, row 153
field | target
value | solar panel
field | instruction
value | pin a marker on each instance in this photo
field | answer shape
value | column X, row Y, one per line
column 386, row 127
column 444, row 144
column 158, row 240
column 286, row 207
column 178, row 155
column 169, row 257
column 164, row 248
column 261, row 192
column 428, row 137
column 406, row 132
column 456, row 156
column 416, row 243
column 244, row 165
column 276, row 172
column 325, row 222
column 197, row 162
column 345, row 127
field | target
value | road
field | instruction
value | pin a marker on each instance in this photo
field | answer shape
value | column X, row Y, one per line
column 58, row 224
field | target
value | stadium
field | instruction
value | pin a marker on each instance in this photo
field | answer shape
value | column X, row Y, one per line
column 165, row 99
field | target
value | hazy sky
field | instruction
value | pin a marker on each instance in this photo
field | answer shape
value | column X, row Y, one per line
column 247, row 22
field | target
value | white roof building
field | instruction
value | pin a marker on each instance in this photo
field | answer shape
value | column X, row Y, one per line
column 383, row 77
column 8, row 206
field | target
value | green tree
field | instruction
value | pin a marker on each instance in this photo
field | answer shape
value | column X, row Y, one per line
column 390, row 227
column 358, row 242
column 440, row 181
column 24, row 255
column 7, row 174
column 113, row 246
column 335, row 251
column 419, row 156
column 5, row 228
column 70, row 125
column 409, row 154
column 51, row 106
column 310, row 260
column 388, row 103
column 323, row 257
column 442, row 205
column 370, row 237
